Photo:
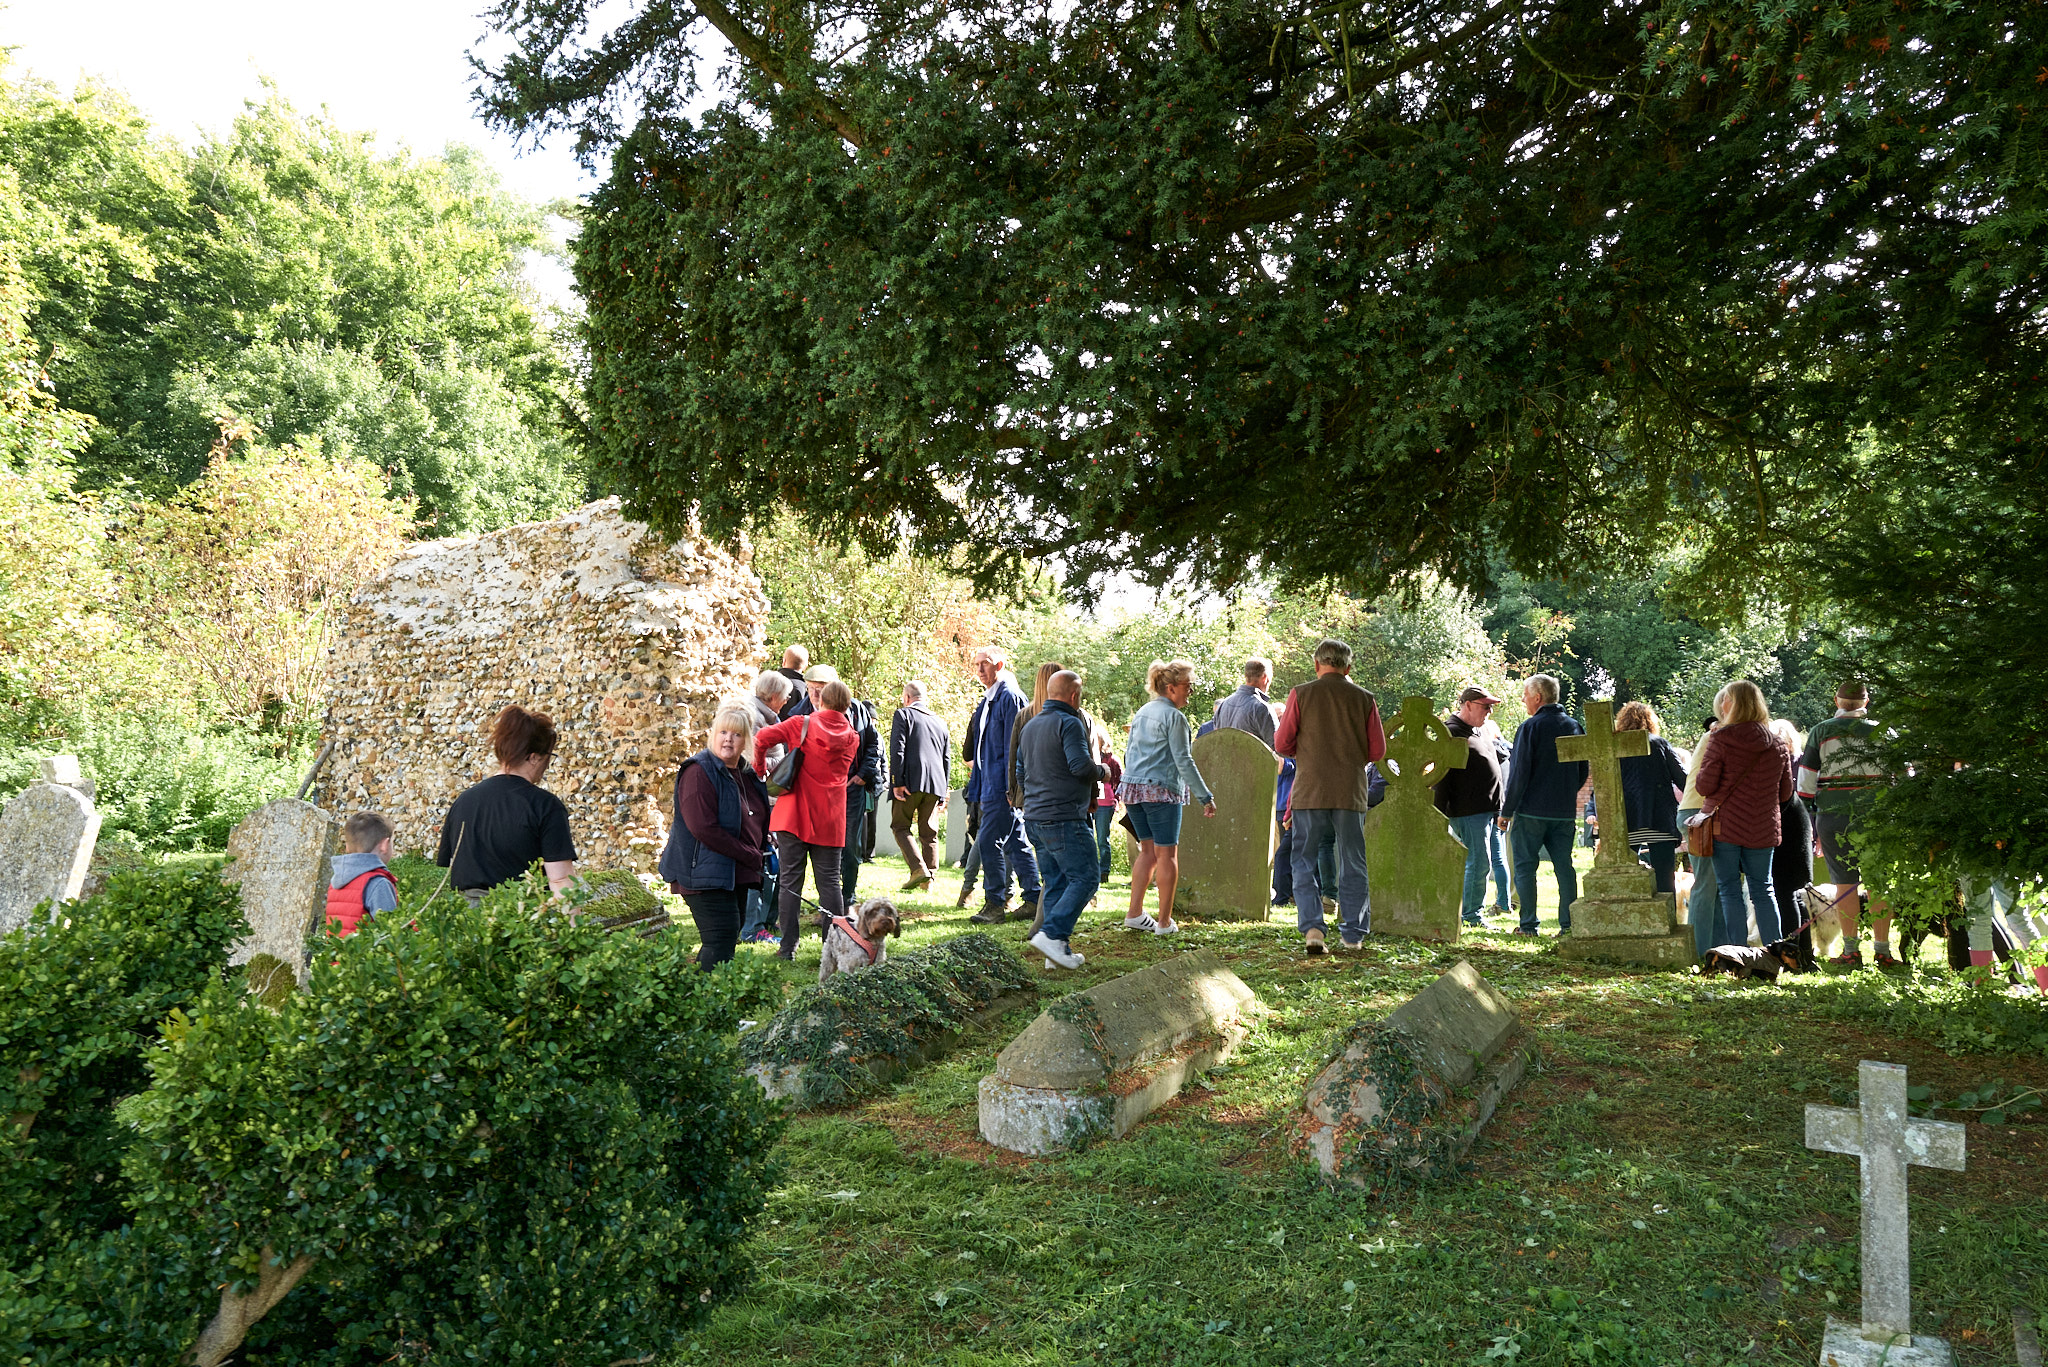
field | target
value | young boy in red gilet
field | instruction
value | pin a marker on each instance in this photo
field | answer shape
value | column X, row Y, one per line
column 362, row 886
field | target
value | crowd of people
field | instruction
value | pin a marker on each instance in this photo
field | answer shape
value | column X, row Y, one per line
column 783, row 792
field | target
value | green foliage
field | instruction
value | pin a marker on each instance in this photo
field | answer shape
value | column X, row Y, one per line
column 838, row 1035
column 1964, row 1014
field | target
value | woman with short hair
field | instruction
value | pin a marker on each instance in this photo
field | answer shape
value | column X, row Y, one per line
column 717, row 847
column 1745, row 776
column 495, row 830
column 1650, row 786
column 809, row 822
column 1159, row 778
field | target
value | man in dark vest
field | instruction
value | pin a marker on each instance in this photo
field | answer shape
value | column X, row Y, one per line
column 1332, row 729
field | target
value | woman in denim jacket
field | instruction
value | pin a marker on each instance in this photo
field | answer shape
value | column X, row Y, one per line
column 1159, row 779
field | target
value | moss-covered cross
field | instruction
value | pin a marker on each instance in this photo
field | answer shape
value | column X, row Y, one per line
column 1604, row 748
column 1420, row 749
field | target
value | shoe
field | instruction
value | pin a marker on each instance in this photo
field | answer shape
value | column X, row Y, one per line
column 966, row 891
column 917, row 884
column 1852, row 958
column 1350, row 946
column 1519, row 931
column 762, row 937
column 1312, row 941
column 1058, row 953
column 991, row 914
column 1502, row 912
column 1329, row 906
column 1029, row 909
column 1886, row 960
column 1143, row 921
column 1170, row 928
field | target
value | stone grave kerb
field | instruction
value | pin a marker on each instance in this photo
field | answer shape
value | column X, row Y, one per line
column 1616, row 870
column 1879, row 1133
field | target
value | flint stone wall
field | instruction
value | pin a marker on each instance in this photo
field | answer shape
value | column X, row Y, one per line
column 627, row 642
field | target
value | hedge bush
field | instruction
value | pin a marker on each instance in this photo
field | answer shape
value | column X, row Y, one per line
column 493, row 1134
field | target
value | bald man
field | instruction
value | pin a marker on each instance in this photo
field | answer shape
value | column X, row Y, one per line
column 1057, row 769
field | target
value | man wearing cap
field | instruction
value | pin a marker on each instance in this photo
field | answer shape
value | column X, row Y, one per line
column 1837, row 772
column 863, row 773
column 1470, row 797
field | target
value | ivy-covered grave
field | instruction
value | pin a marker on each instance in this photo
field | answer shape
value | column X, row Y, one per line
column 850, row 1036
column 1403, row 1099
column 494, row 1133
column 1097, row 1062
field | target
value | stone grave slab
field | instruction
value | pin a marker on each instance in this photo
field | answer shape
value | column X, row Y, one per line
column 1095, row 1063
column 1620, row 917
column 1879, row 1133
column 955, row 819
column 1226, row 861
column 282, row 857
column 1405, row 1098
column 47, row 834
column 1417, row 866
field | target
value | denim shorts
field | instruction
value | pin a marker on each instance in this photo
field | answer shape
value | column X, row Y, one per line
column 1158, row 822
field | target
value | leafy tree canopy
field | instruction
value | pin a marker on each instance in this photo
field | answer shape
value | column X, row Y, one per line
column 1310, row 291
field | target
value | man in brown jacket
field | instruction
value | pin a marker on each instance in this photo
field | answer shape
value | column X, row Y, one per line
column 1332, row 729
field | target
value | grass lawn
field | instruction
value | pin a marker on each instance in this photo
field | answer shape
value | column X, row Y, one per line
column 1645, row 1199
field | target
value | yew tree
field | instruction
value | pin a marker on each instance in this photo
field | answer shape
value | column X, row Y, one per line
column 1320, row 291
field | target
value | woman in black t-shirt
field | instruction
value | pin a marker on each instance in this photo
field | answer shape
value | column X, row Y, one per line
column 497, row 828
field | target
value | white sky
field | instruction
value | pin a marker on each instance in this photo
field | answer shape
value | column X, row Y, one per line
column 394, row 67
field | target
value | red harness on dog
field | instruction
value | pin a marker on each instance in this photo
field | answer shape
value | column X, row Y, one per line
column 866, row 946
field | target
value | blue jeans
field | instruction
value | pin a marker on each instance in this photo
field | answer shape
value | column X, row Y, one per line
column 1067, row 857
column 1312, row 827
column 1703, row 907
column 1532, row 838
column 1105, row 821
column 1283, row 864
column 1734, row 867
column 1496, row 850
column 1004, row 851
column 1470, row 831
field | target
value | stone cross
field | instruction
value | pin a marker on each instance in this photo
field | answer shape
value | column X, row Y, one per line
column 1879, row 1133
column 1604, row 748
column 1420, row 748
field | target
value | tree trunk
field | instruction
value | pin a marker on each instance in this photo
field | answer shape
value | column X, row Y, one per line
column 238, row 1313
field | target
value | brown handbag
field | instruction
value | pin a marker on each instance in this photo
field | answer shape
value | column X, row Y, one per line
column 1699, row 840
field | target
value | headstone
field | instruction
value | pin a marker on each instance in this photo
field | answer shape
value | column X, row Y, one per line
column 1879, row 1132
column 1405, row 1098
column 885, row 839
column 1226, row 860
column 956, row 827
column 282, row 857
column 1619, row 916
column 1095, row 1063
column 46, row 837
column 1417, row 865
column 64, row 770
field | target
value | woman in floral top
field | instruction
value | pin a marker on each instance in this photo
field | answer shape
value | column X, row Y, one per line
column 1159, row 778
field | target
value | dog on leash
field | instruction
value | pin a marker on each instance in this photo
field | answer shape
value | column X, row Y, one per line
column 1788, row 955
column 855, row 942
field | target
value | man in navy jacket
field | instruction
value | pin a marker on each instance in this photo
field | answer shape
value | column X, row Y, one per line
column 1540, row 808
column 1057, row 769
column 1004, row 852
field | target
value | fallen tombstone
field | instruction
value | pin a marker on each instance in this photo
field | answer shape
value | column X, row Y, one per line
column 1403, row 1099
column 853, row 1034
column 1879, row 1133
column 281, row 856
column 47, row 833
column 1095, row 1063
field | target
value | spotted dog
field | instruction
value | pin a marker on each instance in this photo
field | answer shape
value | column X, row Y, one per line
column 855, row 942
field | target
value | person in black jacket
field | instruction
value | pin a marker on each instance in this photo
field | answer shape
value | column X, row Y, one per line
column 1650, row 786
column 863, row 774
column 920, row 766
column 1470, row 797
column 1792, row 863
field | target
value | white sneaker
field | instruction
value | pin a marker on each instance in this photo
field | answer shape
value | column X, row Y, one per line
column 1057, row 952
column 1173, row 929
column 1142, row 921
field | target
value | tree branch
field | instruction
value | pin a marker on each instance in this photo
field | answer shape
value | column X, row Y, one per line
column 755, row 49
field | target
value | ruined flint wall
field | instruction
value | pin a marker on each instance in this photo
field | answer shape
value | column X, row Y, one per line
column 626, row 642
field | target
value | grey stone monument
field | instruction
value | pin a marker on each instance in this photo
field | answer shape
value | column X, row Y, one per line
column 1879, row 1133
column 282, row 857
column 1417, row 866
column 1620, row 916
column 1226, row 861
column 955, row 818
column 47, row 834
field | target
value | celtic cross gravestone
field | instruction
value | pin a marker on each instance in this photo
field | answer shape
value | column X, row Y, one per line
column 1620, row 916
column 1417, row 866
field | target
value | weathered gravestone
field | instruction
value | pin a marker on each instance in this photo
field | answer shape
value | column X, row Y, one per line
column 955, row 818
column 1226, row 861
column 1619, row 916
column 1095, row 1063
column 282, row 857
column 46, row 837
column 1405, row 1098
column 1879, row 1133
column 852, row 1034
column 1417, row 865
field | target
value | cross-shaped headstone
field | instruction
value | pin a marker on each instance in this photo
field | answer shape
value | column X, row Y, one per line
column 1420, row 748
column 1604, row 748
column 1879, row 1133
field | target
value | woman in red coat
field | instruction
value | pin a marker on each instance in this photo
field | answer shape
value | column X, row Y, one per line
column 809, row 823
column 1744, row 773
